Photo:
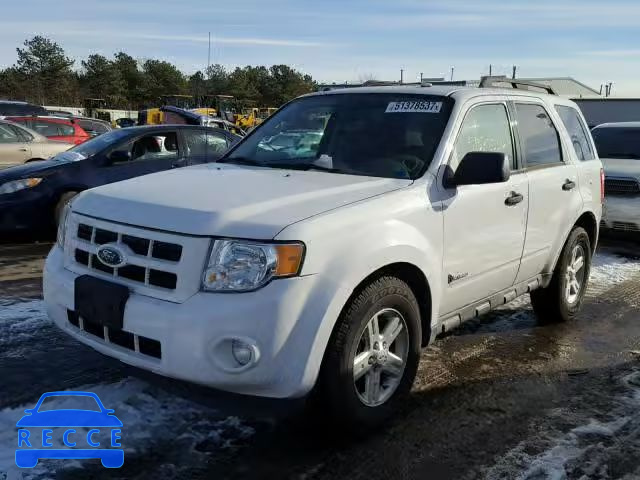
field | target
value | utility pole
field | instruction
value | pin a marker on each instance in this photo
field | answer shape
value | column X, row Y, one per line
column 420, row 78
column 452, row 74
column 209, row 56
column 513, row 73
column 610, row 87
column 401, row 75
column 490, row 70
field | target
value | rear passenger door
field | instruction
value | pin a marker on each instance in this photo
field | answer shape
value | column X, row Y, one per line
column 204, row 145
column 13, row 148
column 554, row 194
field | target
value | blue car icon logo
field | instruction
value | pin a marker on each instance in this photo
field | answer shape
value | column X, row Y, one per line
column 40, row 428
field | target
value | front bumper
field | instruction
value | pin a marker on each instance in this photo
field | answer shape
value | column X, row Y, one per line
column 25, row 211
column 622, row 213
column 287, row 321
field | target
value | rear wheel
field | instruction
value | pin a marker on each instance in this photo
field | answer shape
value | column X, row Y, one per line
column 373, row 354
column 62, row 202
column 562, row 299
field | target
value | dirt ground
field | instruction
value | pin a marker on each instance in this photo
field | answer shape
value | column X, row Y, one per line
column 500, row 398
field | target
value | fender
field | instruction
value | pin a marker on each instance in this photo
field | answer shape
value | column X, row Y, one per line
column 372, row 248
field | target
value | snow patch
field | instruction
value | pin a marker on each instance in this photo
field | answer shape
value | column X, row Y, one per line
column 584, row 452
column 609, row 270
column 19, row 322
column 152, row 418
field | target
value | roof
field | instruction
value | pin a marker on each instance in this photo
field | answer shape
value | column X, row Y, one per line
column 619, row 125
column 460, row 92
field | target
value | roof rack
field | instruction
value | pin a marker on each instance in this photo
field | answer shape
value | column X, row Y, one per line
column 491, row 81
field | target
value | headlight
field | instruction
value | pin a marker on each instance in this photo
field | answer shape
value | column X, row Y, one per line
column 240, row 266
column 17, row 185
column 62, row 226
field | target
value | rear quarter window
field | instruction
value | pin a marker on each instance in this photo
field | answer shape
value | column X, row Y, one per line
column 577, row 132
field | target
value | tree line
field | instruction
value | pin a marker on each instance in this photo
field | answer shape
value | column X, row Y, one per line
column 44, row 74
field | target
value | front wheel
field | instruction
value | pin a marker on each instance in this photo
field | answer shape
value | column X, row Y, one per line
column 562, row 299
column 372, row 357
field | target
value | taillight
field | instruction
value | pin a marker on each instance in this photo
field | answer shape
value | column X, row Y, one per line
column 602, row 185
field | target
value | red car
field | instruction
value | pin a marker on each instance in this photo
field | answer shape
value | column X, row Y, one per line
column 55, row 128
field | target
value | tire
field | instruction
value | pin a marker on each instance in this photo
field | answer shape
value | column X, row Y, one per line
column 560, row 302
column 64, row 199
column 354, row 403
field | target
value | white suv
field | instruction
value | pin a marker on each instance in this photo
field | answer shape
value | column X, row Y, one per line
column 337, row 239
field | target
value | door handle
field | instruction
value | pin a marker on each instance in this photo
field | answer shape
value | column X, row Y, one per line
column 513, row 199
column 24, row 150
column 568, row 185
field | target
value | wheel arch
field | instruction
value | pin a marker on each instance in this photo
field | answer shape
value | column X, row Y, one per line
column 415, row 278
column 586, row 220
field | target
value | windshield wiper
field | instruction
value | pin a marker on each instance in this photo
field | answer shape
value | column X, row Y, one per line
column 241, row 161
column 315, row 166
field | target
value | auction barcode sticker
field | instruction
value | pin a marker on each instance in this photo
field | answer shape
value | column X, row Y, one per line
column 414, row 107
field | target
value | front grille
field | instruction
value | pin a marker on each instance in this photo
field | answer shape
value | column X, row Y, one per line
column 122, row 338
column 140, row 268
column 621, row 186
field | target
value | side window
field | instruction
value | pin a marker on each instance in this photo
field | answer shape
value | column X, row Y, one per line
column 204, row 143
column 540, row 139
column 22, row 133
column 7, row 135
column 485, row 128
column 66, row 130
column 577, row 131
column 157, row 146
column 47, row 129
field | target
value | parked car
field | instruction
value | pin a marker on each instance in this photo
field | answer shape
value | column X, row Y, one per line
column 54, row 128
column 618, row 146
column 278, row 272
column 176, row 115
column 10, row 107
column 32, row 196
column 20, row 145
column 93, row 126
column 124, row 123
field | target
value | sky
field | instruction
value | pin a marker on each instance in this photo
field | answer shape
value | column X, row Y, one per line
column 350, row 40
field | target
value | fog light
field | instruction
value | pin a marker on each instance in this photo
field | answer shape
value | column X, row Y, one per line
column 242, row 352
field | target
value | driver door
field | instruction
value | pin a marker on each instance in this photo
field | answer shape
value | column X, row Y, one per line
column 150, row 153
column 484, row 231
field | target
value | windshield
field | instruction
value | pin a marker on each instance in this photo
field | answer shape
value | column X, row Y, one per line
column 66, row 402
column 622, row 142
column 91, row 147
column 382, row 135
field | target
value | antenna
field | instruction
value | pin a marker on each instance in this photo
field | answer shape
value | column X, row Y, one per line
column 513, row 73
column 490, row 70
column 452, row 68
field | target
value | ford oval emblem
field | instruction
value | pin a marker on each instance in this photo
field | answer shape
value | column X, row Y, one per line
column 111, row 256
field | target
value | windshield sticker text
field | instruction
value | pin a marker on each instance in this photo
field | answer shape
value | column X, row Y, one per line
column 414, row 107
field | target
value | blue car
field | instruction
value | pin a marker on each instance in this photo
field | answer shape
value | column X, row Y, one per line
column 33, row 195
column 31, row 449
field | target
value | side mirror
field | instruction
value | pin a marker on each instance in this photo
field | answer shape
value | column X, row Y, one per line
column 479, row 168
column 119, row 156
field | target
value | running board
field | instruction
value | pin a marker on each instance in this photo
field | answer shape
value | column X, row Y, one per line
column 476, row 309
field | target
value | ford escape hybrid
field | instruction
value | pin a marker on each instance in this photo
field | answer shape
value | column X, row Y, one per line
column 334, row 241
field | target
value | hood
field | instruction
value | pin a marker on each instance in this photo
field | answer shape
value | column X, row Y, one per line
column 28, row 169
column 228, row 200
column 621, row 167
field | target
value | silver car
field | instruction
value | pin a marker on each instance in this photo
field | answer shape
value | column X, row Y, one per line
column 20, row 145
column 618, row 146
